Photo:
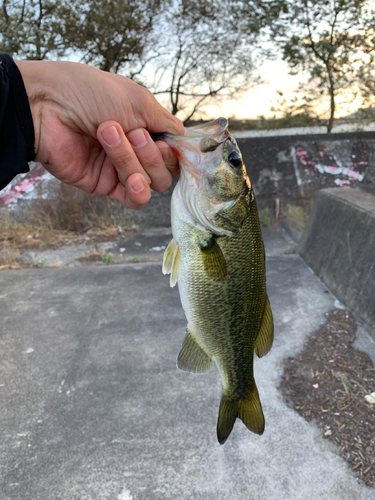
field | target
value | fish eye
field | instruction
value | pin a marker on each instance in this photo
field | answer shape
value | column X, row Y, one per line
column 235, row 159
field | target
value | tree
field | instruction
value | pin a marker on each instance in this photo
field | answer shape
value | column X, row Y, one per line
column 331, row 41
column 28, row 29
column 110, row 34
column 113, row 35
column 204, row 56
column 193, row 51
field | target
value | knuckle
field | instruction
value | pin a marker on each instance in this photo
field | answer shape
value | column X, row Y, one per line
column 162, row 184
column 154, row 161
column 121, row 157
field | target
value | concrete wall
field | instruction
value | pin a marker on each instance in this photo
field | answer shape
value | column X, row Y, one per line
column 293, row 168
column 289, row 168
column 339, row 246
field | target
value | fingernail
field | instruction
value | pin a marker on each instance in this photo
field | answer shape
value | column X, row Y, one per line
column 111, row 136
column 137, row 138
column 138, row 185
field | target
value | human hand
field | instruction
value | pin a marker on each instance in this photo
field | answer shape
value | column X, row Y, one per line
column 91, row 130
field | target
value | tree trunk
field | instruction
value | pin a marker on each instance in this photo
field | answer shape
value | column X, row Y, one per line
column 332, row 101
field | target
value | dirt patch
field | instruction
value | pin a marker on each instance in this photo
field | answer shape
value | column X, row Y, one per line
column 23, row 237
column 327, row 382
column 89, row 259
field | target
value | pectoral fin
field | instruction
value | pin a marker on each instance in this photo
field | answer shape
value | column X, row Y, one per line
column 263, row 342
column 249, row 410
column 192, row 357
column 171, row 261
column 213, row 259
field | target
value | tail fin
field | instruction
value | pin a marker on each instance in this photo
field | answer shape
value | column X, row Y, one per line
column 249, row 410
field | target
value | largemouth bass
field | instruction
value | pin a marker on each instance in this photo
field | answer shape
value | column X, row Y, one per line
column 217, row 257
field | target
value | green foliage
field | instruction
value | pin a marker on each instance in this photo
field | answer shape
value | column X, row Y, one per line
column 112, row 35
column 29, row 29
column 365, row 115
column 107, row 258
column 37, row 263
column 192, row 51
column 300, row 111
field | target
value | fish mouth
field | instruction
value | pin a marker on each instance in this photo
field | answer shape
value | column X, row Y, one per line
column 214, row 134
column 211, row 134
column 201, row 146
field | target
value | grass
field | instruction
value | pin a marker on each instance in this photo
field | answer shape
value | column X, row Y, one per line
column 9, row 257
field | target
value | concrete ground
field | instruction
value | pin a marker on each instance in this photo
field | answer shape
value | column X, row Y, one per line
column 92, row 406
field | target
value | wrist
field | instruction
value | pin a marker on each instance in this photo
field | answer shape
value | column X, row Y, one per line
column 32, row 74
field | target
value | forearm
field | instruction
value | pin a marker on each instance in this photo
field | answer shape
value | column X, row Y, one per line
column 16, row 124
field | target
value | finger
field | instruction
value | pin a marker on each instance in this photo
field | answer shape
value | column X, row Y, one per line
column 150, row 158
column 169, row 158
column 126, row 163
column 129, row 195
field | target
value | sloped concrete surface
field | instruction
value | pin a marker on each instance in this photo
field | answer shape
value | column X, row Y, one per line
column 339, row 245
column 94, row 408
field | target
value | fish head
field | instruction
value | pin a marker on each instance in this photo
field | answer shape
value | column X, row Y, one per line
column 213, row 175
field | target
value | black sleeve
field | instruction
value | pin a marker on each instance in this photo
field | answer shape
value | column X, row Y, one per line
column 16, row 123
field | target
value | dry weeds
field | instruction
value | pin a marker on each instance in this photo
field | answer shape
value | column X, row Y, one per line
column 298, row 216
column 9, row 257
column 67, row 216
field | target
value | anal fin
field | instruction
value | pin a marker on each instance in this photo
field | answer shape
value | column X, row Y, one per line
column 249, row 410
column 263, row 342
column 192, row 356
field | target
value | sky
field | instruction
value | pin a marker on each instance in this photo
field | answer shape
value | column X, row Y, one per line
column 259, row 100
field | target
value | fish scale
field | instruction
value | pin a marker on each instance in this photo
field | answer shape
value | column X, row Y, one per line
column 217, row 258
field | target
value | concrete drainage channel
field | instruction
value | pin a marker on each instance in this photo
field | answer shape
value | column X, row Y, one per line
column 339, row 246
column 94, row 407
